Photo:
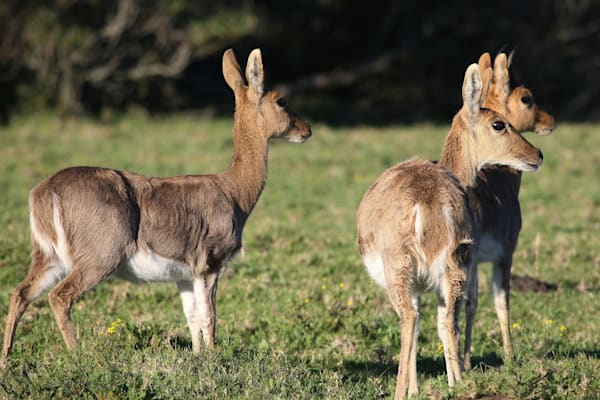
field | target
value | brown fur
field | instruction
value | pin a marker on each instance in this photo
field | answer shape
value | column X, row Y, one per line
column 494, row 197
column 387, row 225
column 410, row 183
column 108, row 216
column 417, row 208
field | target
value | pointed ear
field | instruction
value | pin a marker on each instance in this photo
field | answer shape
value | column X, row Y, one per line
column 472, row 90
column 485, row 68
column 486, row 81
column 485, row 61
column 232, row 71
column 501, row 77
column 255, row 74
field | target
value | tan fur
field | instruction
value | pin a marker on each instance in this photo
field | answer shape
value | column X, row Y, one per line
column 416, row 217
column 494, row 197
column 99, row 222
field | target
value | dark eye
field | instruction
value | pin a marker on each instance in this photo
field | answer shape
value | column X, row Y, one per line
column 527, row 100
column 498, row 125
column 282, row 102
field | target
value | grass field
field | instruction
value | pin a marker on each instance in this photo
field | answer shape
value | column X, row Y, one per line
column 298, row 316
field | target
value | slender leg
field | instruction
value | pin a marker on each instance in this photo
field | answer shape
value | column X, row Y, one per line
column 188, row 300
column 471, row 309
column 413, row 387
column 407, row 333
column 205, row 292
column 63, row 296
column 441, row 326
column 397, row 269
column 454, row 336
column 452, row 291
column 457, row 309
column 42, row 275
column 501, row 288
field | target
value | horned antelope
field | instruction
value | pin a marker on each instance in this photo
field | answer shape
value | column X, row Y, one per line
column 90, row 223
column 416, row 230
column 495, row 197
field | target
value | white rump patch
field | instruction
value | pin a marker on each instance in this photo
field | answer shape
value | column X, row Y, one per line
column 45, row 243
column 52, row 275
column 438, row 265
column 437, row 271
column 430, row 273
column 147, row 266
column 61, row 248
column 431, row 268
column 60, row 264
column 374, row 264
column 418, row 222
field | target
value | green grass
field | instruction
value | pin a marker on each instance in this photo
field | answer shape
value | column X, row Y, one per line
column 298, row 316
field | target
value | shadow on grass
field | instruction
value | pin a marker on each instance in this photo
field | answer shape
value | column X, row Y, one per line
column 554, row 355
column 486, row 362
column 428, row 367
column 362, row 369
column 180, row 343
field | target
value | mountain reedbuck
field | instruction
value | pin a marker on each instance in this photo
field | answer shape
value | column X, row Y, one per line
column 88, row 223
column 416, row 229
column 495, row 197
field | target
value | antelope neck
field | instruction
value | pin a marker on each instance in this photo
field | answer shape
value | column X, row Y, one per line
column 248, row 169
column 459, row 155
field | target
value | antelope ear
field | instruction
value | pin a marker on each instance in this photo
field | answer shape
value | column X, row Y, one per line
column 501, row 77
column 485, row 68
column 472, row 90
column 255, row 74
column 486, row 81
column 232, row 71
column 485, row 61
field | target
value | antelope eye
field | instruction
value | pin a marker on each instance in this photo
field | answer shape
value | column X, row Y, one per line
column 527, row 100
column 282, row 102
column 498, row 125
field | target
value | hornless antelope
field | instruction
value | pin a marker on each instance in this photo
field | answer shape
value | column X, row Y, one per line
column 89, row 223
column 416, row 230
column 495, row 197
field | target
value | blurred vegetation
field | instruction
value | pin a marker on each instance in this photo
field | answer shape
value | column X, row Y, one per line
column 345, row 61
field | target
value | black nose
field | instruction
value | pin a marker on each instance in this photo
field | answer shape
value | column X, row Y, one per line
column 540, row 155
column 309, row 134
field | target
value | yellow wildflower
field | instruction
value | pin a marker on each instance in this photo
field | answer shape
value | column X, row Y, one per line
column 342, row 285
column 350, row 302
column 549, row 321
column 324, row 287
column 516, row 325
column 114, row 326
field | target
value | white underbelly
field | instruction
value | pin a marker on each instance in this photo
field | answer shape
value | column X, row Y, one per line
column 147, row 266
